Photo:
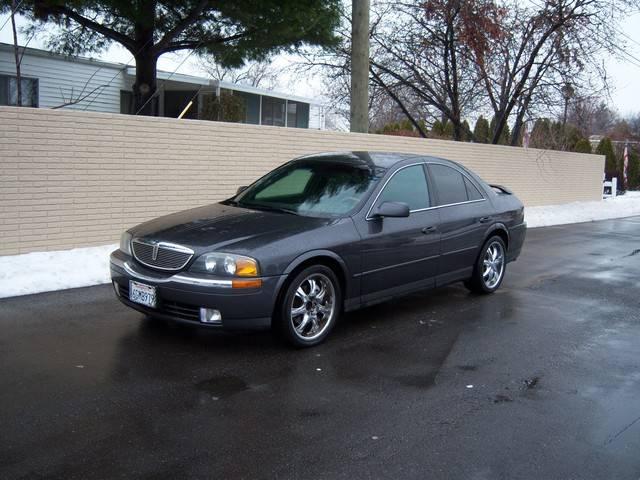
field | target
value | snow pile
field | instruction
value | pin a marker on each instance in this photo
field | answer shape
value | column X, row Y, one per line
column 622, row 206
column 81, row 267
column 45, row 271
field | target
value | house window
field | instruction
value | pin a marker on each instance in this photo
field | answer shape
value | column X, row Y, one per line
column 126, row 102
column 292, row 113
column 9, row 91
column 273, row 111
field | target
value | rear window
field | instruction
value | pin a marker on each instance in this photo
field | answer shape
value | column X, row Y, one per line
column 449, row 183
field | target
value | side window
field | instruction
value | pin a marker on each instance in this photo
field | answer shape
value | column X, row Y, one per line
column 472, row 191
column 292, row 184
column 9, row 91
column 449, row 184
column 408, row 185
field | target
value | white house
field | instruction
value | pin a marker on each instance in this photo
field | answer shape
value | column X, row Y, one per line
column 54, row 81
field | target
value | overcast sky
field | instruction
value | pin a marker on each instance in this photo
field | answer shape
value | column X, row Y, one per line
column 623, row 74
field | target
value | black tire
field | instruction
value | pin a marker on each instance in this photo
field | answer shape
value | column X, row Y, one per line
column 480, row 281
column 298, row 329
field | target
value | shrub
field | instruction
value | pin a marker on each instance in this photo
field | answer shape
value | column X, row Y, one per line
column 605, row 147
column 226, row 108
column 582, row 146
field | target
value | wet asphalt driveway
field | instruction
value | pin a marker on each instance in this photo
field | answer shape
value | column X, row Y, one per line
column 540, row 381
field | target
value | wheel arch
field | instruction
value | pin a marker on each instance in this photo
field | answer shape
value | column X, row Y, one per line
column 316, row 257
column 500, row 230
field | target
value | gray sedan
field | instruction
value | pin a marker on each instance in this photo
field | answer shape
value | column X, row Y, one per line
column 319, row 236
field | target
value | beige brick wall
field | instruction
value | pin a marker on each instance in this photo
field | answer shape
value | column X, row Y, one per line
column 71, row 179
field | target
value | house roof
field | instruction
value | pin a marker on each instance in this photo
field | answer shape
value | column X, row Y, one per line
column 162, row 75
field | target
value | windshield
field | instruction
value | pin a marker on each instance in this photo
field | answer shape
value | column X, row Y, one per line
column 312, row 188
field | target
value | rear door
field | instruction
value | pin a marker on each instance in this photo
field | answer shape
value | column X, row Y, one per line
column 400, row 254
column 464, row 215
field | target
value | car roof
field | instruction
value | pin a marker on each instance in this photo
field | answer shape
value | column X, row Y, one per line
column 383, row 160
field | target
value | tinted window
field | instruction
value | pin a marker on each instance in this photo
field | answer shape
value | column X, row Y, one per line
column 408, row 185
column 312, row 188
column 449, row 184
column 472, row 192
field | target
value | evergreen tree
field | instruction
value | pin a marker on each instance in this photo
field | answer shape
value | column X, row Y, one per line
column 505, row 136
column 633, row 171
column 582, row 146
column 447, row 130
column 481, row 130
column 605, row 147
column 437, row 129
column 467, row 136
column 232, row 31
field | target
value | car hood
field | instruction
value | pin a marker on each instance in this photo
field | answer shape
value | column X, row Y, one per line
column 226, row 227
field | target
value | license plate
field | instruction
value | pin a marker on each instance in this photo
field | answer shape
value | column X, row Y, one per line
column 142, row 294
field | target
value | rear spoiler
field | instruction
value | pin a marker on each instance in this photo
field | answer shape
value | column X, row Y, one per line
column 501, row 189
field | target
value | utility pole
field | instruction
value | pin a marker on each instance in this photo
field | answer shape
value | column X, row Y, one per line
column 360, row 66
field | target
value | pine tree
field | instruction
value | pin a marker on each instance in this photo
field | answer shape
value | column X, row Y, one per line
column 437, row 129
column 504, row 136
column 467, row 136
column 582, row 146
column 605, row 147
column 481, row 130
column 633, row 171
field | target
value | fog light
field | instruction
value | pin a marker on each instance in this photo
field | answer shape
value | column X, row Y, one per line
column 116, row 287
column 210, row 315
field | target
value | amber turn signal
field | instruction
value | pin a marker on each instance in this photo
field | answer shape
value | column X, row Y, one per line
column 254, row 283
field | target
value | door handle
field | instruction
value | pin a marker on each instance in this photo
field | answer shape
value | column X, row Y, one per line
column 429, row 229
column 484, row 219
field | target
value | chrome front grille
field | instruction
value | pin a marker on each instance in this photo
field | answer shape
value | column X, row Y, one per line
column 161, row 255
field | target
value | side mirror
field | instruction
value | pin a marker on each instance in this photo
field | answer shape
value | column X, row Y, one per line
column 241, row 189
column 392, row 209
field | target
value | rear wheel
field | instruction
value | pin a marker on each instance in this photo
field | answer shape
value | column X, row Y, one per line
column 310, row 307
column 490, row 267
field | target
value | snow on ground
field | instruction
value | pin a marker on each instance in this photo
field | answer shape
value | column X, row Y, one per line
column 622, row 206
column 81, row 267
column 45, row 271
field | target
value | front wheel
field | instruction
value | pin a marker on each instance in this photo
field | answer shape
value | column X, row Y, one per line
column 310, row 307
column 489, row 269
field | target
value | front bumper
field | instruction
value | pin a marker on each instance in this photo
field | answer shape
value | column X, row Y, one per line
column 180, row 296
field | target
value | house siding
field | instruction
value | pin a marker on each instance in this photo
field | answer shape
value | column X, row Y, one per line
column 60, row 80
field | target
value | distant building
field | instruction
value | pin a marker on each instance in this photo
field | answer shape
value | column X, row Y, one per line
column 50, row 80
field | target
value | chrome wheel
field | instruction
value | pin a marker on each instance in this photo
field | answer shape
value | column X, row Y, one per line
column 313, row 306
column 493, row 264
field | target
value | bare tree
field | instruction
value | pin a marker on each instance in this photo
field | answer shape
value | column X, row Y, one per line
column 546, row 45
column 262, row 74
column 16, row 52
column 429, row 47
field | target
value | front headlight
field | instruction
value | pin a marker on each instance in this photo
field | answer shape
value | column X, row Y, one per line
column 125, row 242
column 226, row 264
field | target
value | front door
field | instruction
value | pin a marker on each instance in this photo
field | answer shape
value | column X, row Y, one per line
column 400, row 254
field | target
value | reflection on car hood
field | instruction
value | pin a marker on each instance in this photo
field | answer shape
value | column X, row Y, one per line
column 219, row 226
